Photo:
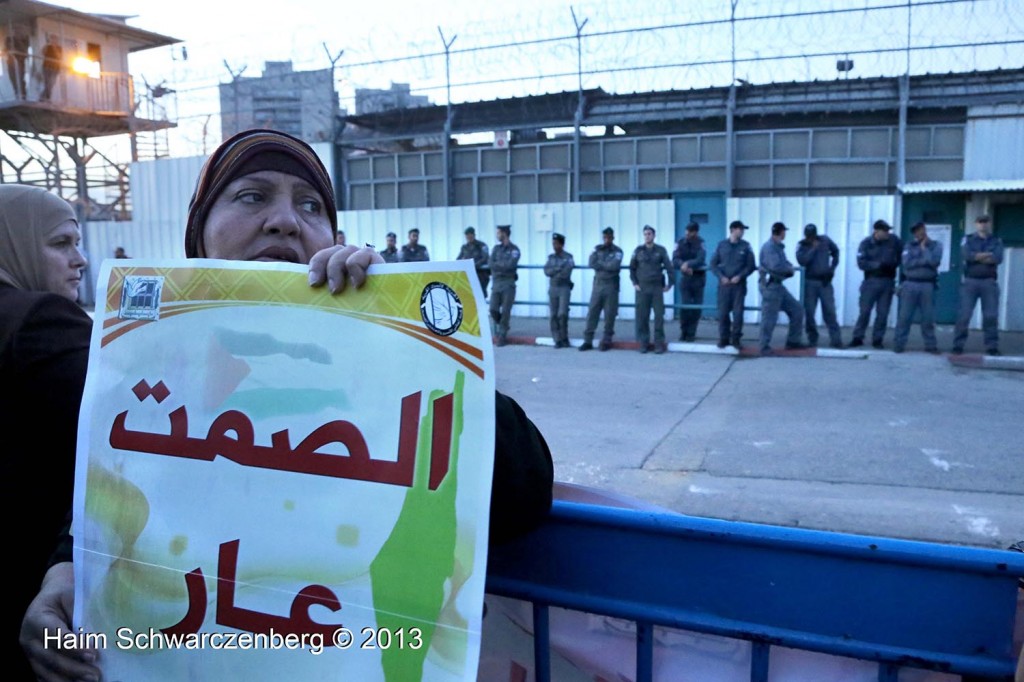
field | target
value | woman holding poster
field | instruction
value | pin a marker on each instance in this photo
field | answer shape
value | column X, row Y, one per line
column 44, row 346
column 265, row 196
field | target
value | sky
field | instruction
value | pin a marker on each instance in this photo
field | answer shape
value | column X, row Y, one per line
column 245, row 34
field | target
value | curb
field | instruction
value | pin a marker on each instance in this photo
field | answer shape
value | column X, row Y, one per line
column 974, row 361
column 1013, row 364
column 704, row 349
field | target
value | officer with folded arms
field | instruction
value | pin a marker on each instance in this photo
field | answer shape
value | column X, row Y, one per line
column 879, row 257
column 690, row 260
column 921, row 259
column 982, row 254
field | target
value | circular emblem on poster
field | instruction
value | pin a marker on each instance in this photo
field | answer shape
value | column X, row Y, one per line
column 441, row 309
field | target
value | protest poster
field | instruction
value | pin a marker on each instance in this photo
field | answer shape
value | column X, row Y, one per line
column 276, row 483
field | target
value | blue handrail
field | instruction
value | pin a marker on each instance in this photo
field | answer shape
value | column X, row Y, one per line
column 897, row 602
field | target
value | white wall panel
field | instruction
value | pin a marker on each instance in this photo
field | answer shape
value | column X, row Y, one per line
column 441, row 231
column 161, row 191
column 992, row 131
column 847, row 220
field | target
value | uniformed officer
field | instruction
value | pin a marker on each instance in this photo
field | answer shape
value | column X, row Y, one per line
column 982, row 253
column 650, row 270
column 559, row 271
column 390, row 253
column 690, row 259
column 819, row 256
column 413, row 252
column 606, row 261
column 476, row 251
column 921, row 259
column 732, row 263
column 339, row 239
column 879, row 257
column 504, row 262
column 775, row 269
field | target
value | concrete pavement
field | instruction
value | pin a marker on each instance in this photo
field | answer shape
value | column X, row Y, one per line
column 904, row 445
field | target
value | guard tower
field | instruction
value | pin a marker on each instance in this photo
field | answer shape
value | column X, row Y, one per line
column 65, row 83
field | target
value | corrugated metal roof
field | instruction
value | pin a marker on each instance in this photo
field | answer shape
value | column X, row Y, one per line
column 963, row 186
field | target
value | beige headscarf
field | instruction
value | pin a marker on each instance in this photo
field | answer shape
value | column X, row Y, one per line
column 27, row 216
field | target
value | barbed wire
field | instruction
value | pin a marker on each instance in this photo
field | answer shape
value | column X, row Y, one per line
column 661, row 45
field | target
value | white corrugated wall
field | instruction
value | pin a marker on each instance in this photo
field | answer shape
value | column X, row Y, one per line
column 161, row 191
column 992, row 138
column 441, row 231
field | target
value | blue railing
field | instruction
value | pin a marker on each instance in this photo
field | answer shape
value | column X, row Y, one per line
column 896, row 602
column 708, row 307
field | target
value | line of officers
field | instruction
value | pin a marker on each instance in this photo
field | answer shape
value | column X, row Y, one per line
column 882, row 257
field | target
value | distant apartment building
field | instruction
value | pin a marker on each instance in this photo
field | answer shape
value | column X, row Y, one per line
column 370, row 101
column 301, row 103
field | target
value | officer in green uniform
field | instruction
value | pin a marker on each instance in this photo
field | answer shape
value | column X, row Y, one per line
column 476, row 251
column 390, row 254
column 606, row 262
column 559, row 271
column 504, row 262
column 650, row 270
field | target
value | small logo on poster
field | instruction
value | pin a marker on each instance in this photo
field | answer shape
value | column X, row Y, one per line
column 140, row 298
column 441, row 309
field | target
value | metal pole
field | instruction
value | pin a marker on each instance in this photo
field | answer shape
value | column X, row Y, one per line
column 578, row 116
column 336, row 162
column 446, row 145
column 87, row 291
column 730, row 107
column 732, row 39
column 901, row 159
column 234, row 89
column 909, row 17
column 730, row 134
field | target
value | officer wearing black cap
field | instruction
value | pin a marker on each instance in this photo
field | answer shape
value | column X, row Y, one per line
column 650, row 270
column 982, row 253
column 413, row 252
column 690, row 260
column 920, row 261
column 879, row 257
column 504, row 263
column 819, row 256
column 606, row 262
column 476, row 250
column 732, row 263
column 775, row 269
column 559, row 271
column 390, row 253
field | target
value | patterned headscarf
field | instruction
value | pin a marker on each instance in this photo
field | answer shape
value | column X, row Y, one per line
column 248, row 152
column 27, row 217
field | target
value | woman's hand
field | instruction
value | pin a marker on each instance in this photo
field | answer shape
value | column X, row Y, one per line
column 340, row 264
column 49, row 614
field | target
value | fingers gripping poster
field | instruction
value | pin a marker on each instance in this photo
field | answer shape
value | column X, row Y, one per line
column 274, row 483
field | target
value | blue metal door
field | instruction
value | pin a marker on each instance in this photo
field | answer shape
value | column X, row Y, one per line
column 707, row 209
column 940, row 209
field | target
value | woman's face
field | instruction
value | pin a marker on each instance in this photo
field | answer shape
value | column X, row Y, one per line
column 267, row 216
column 63, row 260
